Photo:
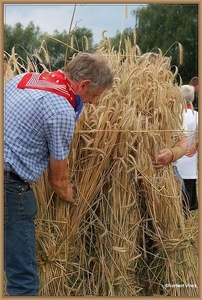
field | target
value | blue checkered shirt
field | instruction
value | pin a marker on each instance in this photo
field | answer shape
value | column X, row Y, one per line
column 37, row 124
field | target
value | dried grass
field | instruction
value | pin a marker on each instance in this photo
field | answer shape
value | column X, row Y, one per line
column 127, row 234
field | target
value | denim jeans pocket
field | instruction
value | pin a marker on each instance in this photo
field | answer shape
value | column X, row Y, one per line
column 23, row 188
column 19, row 237
column 20, row 201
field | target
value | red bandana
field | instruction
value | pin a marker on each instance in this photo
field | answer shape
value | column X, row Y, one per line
column 54, row 82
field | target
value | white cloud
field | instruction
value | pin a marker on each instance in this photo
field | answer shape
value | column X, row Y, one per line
column 50, row 17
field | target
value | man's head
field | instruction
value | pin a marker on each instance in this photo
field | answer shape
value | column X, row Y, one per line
column 194, row 82
column 187, row 92
column 90, row 75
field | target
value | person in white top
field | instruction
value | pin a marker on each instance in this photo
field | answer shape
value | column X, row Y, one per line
column 187, row 165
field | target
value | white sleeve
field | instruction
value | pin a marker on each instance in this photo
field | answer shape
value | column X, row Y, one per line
column 184, row 124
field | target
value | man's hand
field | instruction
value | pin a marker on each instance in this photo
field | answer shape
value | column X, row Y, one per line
column 191, row 151
column 58, row 179
column 163, row 158
column 70, row 193
column 168, row 155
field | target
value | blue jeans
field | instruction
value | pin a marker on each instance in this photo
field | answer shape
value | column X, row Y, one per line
column 20, row 262
column 179, row 177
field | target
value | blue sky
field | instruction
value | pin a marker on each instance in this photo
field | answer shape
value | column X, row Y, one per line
column 50, row 17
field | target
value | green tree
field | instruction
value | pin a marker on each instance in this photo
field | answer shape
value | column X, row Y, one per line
column 162, row 25
column 27, row 42
column 118, row 41
column 79, row 39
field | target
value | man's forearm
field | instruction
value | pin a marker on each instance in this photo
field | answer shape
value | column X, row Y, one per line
column 180, row 148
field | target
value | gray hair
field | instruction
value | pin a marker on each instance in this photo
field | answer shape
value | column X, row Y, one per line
column 90, row 66
column 187, row 92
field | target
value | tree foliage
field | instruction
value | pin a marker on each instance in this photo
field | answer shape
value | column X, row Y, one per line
column 117, row 42
column 163, row 25
column 80, row 39
column 157, row 26
column 27, row 42
column 24, row 40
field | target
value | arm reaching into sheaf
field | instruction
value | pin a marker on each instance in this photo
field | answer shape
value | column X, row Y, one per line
column 168, row 155
column 58, row 179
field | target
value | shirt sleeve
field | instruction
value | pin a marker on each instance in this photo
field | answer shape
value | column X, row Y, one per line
column 59, row 132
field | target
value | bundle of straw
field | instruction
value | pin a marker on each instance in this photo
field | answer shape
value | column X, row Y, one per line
column 127, row 234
